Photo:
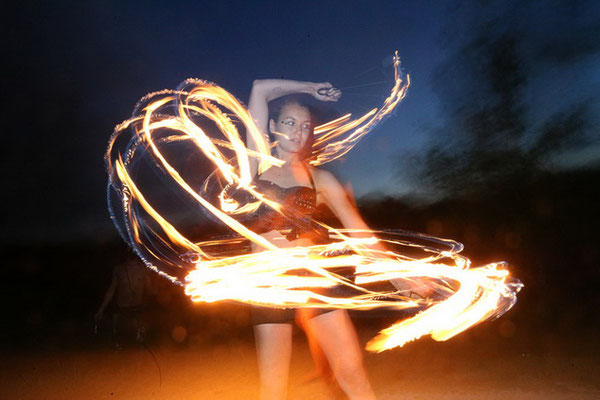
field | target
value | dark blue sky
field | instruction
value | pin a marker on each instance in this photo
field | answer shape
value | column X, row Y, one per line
column 335, row 41
column 78, row 68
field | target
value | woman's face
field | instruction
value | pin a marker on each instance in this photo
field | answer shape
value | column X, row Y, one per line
column 292, row 128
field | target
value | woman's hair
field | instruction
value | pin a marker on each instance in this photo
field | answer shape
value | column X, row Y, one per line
column 275, row 113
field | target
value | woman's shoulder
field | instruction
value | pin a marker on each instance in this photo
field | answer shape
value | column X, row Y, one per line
column 323, row 178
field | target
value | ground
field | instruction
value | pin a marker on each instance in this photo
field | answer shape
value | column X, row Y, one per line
column 496, row 360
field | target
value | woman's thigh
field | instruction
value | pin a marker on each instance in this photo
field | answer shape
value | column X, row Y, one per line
column 274, row 349
column 337, row 337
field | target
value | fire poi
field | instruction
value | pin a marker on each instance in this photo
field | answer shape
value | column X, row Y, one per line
column 146, row 172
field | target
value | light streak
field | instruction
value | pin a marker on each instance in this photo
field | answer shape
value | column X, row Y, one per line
column 281, row 276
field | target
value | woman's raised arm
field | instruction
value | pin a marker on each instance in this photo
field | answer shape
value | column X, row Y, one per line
column 265, row 90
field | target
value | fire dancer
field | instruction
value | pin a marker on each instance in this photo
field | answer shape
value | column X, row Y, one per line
column 297, row 268
column 300, row 188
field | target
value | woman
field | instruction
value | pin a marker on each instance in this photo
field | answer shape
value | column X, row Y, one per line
column 301, row 188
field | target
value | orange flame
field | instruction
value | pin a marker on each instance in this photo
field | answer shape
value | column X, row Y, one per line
column 465, row 297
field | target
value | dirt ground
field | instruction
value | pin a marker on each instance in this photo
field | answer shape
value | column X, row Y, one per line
column 493, row 361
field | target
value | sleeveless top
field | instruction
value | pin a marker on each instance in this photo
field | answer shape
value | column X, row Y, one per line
column 298, row 205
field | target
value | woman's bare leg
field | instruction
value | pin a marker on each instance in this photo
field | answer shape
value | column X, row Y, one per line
column 274, row 350
column 322, row 368
column 337, row 337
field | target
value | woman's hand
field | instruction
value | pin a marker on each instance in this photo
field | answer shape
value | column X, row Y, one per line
column 326, row 92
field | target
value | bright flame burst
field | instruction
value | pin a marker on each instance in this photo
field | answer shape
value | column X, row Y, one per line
column 454, row 296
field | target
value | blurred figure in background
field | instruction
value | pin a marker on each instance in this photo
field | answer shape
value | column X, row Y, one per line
column 127, row 294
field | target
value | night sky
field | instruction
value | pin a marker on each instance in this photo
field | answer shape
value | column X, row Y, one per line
column 76, row 69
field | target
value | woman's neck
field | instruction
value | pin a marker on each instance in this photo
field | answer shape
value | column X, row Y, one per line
column 290, row 159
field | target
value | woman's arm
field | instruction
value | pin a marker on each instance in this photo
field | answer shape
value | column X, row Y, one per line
column 335, row 197
column 265, row 90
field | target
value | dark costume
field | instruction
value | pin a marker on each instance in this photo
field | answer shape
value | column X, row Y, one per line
column 294, row 222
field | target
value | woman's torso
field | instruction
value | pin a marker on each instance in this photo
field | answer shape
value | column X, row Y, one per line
column 295, row 191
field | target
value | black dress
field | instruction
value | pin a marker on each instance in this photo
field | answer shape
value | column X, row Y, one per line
column 294, row 221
